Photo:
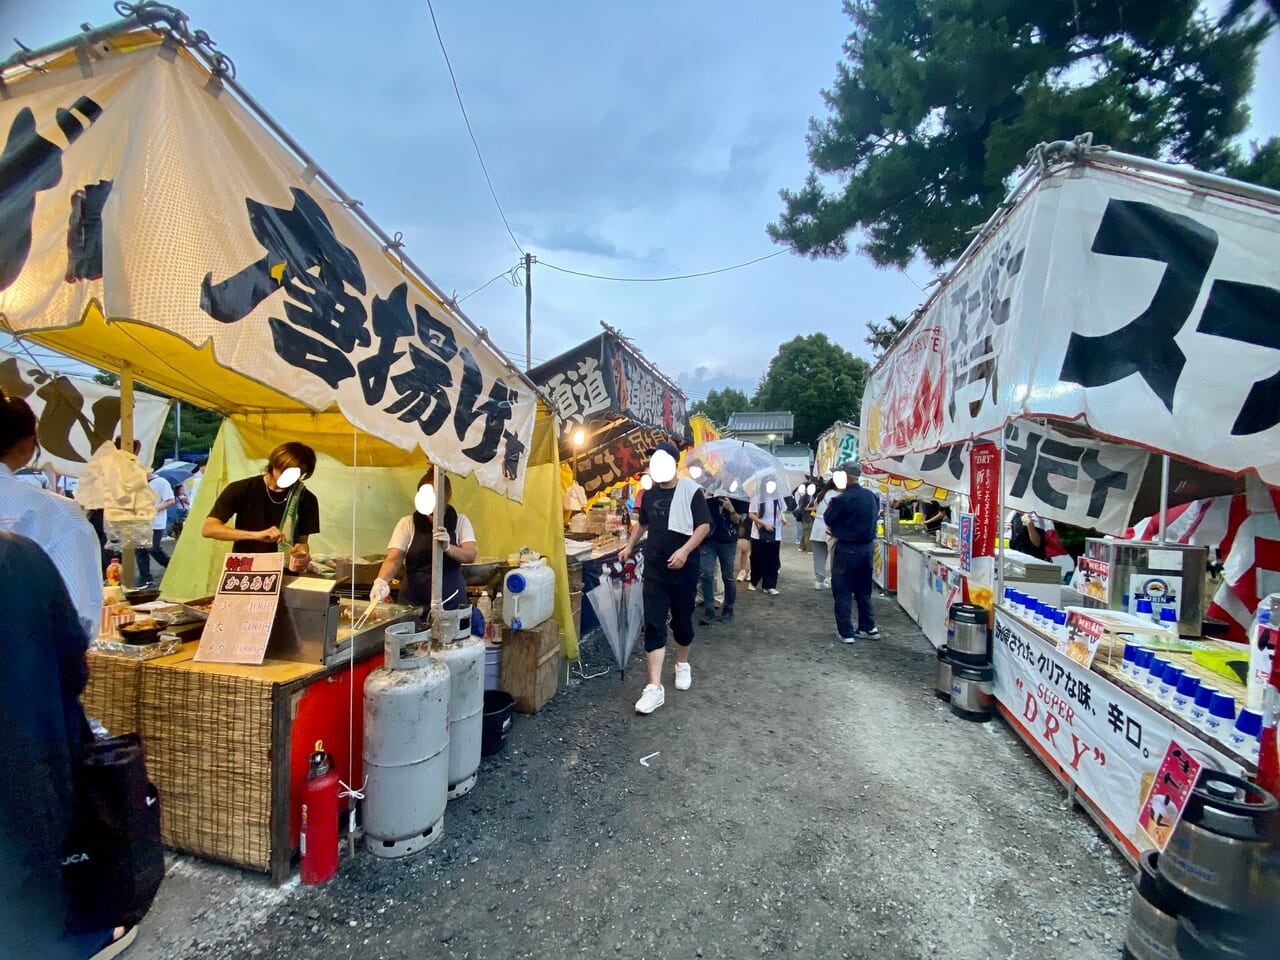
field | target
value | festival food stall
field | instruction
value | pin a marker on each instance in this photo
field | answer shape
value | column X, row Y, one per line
column 165, row 227
column 615, row 407
column 1113, row 307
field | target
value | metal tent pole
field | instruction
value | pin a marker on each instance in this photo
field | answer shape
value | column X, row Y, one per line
column 128, row 560
column 1164, row 496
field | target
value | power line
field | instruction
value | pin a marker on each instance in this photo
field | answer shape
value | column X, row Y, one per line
column 683, row 276
column 512, row 276
column 467, row 121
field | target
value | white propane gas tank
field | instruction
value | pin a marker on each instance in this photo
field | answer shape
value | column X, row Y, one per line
column 406, row 746
column 464, row 657
column 529, row 595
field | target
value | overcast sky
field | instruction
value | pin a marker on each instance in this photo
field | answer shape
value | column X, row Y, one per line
column 625, row 139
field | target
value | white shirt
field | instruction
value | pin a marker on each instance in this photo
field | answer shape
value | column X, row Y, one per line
column 819, row 532
column 769, row 512
column 402, row 535
column 163, row 491
column 59, row 526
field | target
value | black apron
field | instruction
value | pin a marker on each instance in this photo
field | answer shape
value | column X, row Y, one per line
column 415, row 586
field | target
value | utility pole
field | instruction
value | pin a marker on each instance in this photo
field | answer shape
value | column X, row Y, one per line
column 528, row 311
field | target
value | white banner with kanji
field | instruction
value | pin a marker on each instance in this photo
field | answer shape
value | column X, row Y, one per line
column 138, row 184
column 1108, row 742
column 75, row 416
column 1139, row 307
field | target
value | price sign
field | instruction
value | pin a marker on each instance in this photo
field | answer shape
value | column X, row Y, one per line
column 244, row 609
column 1080, row 642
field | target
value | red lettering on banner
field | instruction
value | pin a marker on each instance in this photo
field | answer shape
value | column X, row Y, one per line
column 1051, row 727
column 1031, row 710
column 1056, row 704
column 1080, row 748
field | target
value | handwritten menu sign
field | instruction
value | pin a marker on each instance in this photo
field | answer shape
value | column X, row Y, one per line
column 1092, row 579
column 1080, row 642
column 1166, row 798
column 244, row 609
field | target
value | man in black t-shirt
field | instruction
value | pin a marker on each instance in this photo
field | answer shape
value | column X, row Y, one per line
column 675, row 517
column 259, row 505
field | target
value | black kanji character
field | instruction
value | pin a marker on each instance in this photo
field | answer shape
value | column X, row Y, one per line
column 423, row 389
column 1115, row 717
column 1133, row 731
column 1146, row 345
column 84, row 236
column 1105, row 479
column 496, row 410
column 951, row 456
column 29, row 165
column 306, row 260
column 1085, row 698
column 391, row 322
column 436, row 335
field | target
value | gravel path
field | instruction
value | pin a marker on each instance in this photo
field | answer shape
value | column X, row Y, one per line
column 808, row 799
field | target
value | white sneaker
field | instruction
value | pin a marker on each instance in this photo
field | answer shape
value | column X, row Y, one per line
column 751, row 586
column 818, row 585
column 652, row 698
column 772, row 591
column 684, row 676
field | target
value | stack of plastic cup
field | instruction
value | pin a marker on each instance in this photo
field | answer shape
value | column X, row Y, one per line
column 1200, row 706
column 1151, row 682
column 1060, row 622
column 1185, row 695
column 1169, row 620
column 1222, row 716
column 1168, row 683
column 1127, row 664
column 1141, row 662
column 1243, row 738
column 1144, row 608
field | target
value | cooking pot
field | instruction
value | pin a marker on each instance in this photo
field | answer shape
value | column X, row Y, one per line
column 971, row 696
column 1222, row 860
column 968, row 638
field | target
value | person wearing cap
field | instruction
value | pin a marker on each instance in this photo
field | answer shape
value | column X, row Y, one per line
column 674, row 515
column 851, row 521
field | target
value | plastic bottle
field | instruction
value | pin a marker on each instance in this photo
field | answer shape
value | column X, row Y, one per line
column 1262, row 641
column 485, row 606
column 113, row 572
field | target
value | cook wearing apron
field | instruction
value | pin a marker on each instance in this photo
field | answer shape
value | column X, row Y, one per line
column 410, row 545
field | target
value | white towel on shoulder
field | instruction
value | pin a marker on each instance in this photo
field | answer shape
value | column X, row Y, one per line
column 680, row 519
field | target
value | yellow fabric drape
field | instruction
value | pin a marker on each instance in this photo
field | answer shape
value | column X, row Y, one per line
column 380, row 496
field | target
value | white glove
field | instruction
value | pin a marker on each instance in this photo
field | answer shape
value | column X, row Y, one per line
column 379, row 591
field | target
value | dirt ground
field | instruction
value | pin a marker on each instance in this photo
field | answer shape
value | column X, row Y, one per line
column 807, row 799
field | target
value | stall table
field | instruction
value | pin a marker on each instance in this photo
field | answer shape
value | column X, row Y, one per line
column 227, row 745
column 1102, row 738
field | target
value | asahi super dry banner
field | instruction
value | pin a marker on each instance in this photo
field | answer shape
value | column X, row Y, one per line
column 1133, row 305
column 151, row 191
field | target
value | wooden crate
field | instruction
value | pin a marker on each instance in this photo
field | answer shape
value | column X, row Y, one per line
column 111, row 696
column 531, row 665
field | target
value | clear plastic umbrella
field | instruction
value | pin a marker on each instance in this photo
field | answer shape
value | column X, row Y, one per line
column 619, row 605
column 735, row 468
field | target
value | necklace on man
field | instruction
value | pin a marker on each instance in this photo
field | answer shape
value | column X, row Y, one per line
column 283, row 498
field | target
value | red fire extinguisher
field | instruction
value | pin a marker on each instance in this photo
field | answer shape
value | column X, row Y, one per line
column 318, row 838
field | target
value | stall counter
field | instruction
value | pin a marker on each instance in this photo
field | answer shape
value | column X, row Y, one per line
column 1099, row 737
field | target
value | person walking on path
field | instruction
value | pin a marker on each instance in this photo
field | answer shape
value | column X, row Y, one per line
column 851, row 521
column 674, row 515
column 818, row 536
column 165, row 499
column 720, row 547
column 767, row 519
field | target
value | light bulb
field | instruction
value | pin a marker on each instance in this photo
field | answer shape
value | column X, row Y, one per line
column 647, row 482
column 662, row 466
column 288, row 477
column 841, row 479
column 579, row 437
column 425, row 500
column 771, row 487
